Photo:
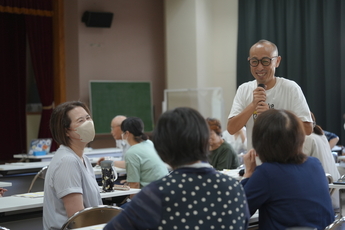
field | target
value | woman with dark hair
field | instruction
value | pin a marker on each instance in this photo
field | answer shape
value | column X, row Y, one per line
column 143, row 164
column 222, row 155
column 289, row 189
column 194, row 195
column 70, row 184
column 316, row 145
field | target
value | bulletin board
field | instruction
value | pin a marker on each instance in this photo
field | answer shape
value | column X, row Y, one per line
column 111, row 98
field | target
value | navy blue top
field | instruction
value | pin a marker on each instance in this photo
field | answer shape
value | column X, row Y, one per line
column 330, row 135
column 289, row 195
column 188, row 198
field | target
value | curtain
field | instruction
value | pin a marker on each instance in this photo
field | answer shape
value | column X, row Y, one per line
column 13, row 85
column 36, row 17
column 310, row 36
column 40, row 36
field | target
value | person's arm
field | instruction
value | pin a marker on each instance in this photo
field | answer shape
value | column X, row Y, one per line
column 333, row 142
column 2, row 191
column 133, row 185
column 250, row 163
column 237, row 122
column 133, row 170
column 73, row 203
column 255, row 183
column 242, row 135
column 120, row 164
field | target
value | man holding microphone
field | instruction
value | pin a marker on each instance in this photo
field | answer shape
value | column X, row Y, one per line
column 266, row 92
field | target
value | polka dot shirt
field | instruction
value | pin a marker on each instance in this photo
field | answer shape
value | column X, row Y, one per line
column 188, row 198
column 202, row 201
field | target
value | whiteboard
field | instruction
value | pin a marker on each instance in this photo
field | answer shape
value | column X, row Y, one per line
column 208, row 101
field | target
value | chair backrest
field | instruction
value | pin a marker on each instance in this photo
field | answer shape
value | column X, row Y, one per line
column 91, row 216
column 338, row 224
column 41, row 174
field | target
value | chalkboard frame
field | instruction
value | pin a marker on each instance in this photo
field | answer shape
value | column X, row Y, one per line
column 128, row 98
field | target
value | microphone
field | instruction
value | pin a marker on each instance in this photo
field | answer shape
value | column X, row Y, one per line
column 255, row 114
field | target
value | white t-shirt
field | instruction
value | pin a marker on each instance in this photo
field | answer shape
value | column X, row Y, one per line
column 67, row 174
column 318, row 146
column 286, row 94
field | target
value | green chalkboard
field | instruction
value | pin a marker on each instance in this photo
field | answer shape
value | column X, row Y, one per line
column 111, row 98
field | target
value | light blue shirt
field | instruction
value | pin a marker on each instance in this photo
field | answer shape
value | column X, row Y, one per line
column 143, row 164
column 67, row 174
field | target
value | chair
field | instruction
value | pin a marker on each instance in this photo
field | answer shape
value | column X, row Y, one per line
column 330, row 181
column 3, row 228
column 338, row 224
column 91, row 216
column 40, row 174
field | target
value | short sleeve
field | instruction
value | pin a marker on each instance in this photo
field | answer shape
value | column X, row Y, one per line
column 72, row 183
column 132, row 166
column 301, row 109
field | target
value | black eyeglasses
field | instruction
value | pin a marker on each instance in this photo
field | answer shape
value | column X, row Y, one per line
column 266, row 61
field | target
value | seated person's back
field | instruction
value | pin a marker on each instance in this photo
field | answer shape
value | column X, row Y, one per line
column 289, row 188
column 143, row 164
column 194, row 195
column 316, row 145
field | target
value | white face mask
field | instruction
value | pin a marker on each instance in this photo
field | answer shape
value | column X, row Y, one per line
column 86, row 131
column 120, row 144
column 124, row 141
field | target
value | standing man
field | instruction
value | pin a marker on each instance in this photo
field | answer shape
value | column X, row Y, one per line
column 266, row 92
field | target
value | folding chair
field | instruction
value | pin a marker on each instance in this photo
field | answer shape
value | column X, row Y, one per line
column 91, row 216
column 41, row 174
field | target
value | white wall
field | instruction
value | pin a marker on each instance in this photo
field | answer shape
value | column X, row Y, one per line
column 131, row 50
column 201, row 44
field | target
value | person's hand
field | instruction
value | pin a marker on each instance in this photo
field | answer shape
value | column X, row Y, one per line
column 124, row 182
column 99, row 160
column 259, row 95
column 249, row 162
column 261, row 107
column 2, row 191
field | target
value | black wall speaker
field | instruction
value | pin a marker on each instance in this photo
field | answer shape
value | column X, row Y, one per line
column 97, row 19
